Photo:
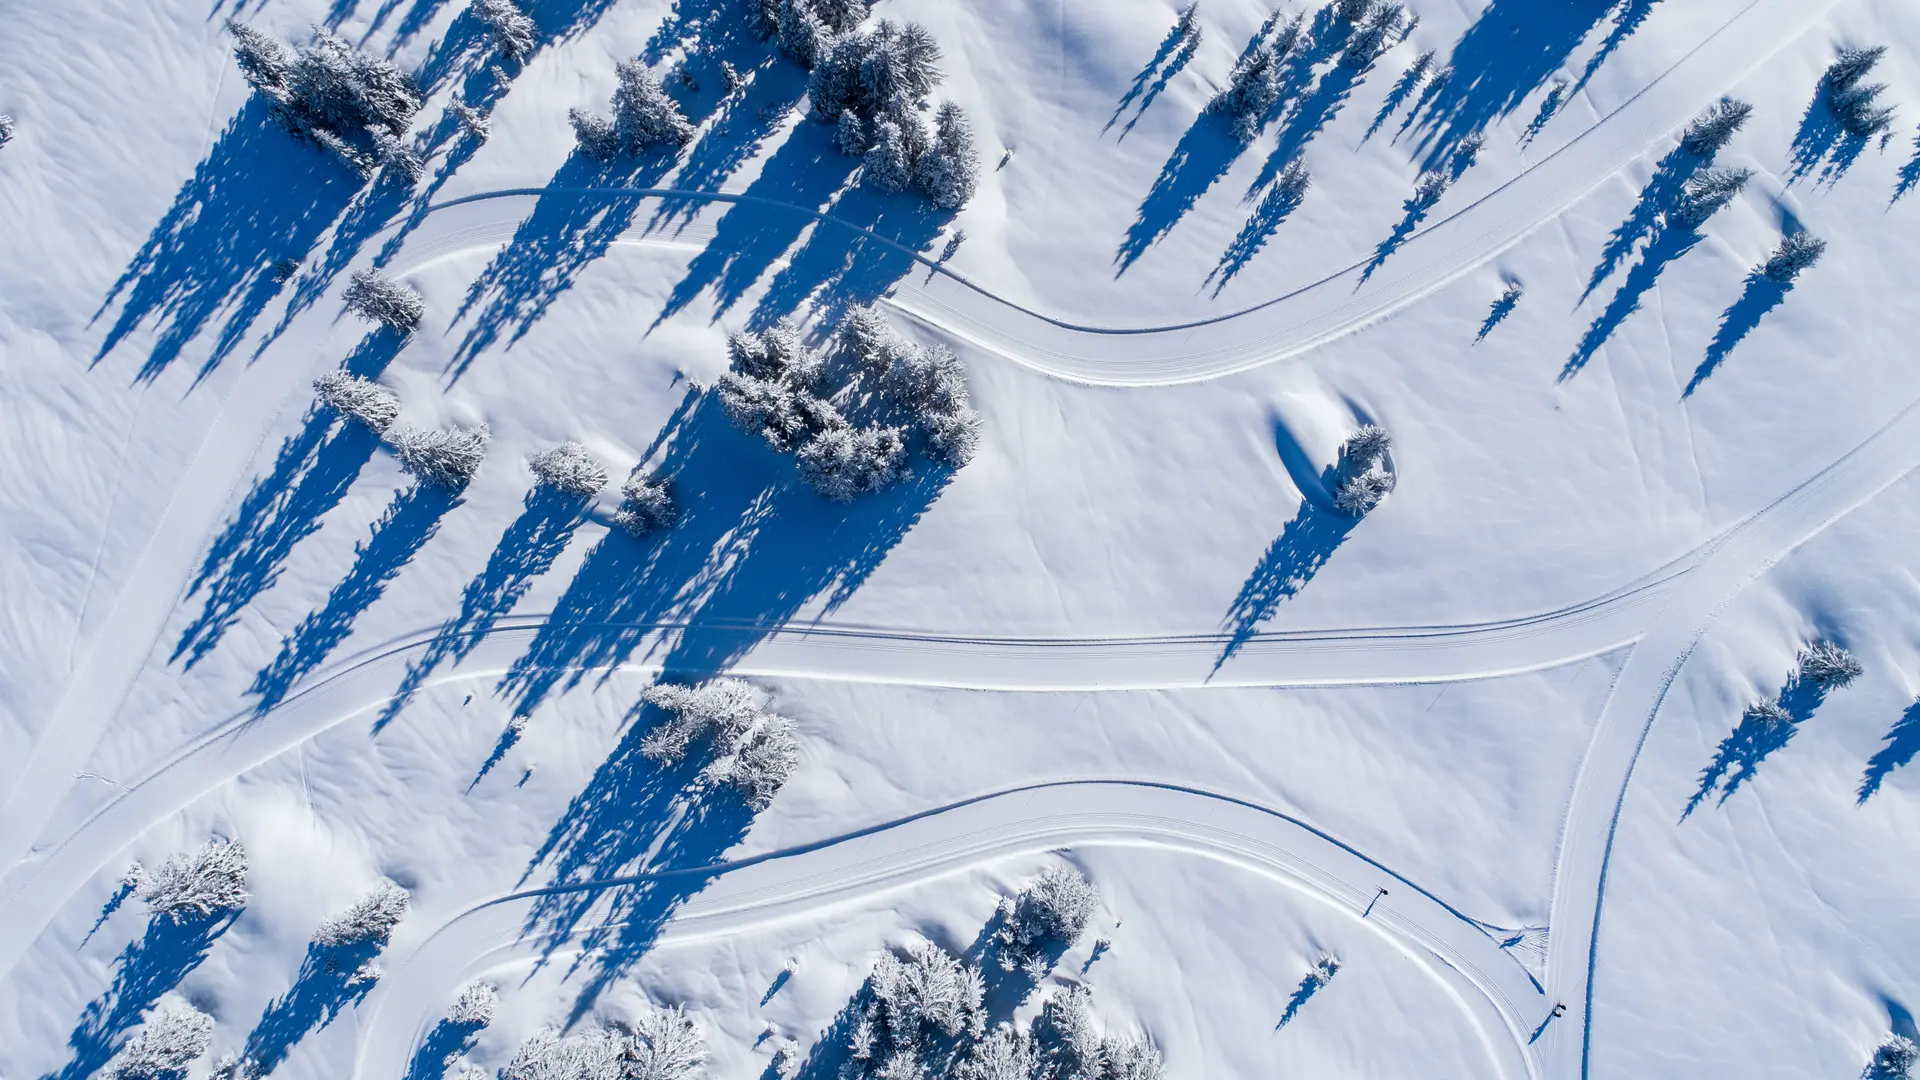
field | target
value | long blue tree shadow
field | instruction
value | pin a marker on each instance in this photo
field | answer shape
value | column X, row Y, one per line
column 445, row 1040
column 1403, row 88
column 1168, row 60
column 638, row 820
column 1903, row 742
column 1627, row 18
column 847, row 266
column 751, row 548
column 1202, row 157
column 1909, row 174
column 398, row 535
column 1295, row 556
column 1760, row 296
column 257, row 198
column 1673, row 240
column 148, row 968
column 1739, row 755
column 1657, row 199
column 1502, row 307
column 330, row 979
column 1309, row 986
column 526, row 550
column 1511, row 49
column 311, row 474
column 1822, row 144
column 1275, row 207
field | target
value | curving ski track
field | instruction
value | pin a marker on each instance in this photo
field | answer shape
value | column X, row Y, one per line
column 1489, row 985
column 1276, row 330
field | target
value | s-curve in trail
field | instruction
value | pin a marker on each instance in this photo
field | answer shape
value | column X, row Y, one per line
column 1276, row 329
column 1496, row 996
column 1593, row 814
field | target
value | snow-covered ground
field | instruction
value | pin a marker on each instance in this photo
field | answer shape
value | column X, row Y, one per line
column 1459, row 743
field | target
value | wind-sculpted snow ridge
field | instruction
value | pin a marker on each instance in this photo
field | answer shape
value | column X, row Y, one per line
column 1499, row 1000
column 1285, row 326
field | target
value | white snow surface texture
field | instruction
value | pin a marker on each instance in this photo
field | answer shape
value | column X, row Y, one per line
column 1488, row 745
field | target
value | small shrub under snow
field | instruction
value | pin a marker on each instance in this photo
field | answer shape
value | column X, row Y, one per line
column 1361, row 478
column 1828, row 666
column 646, row 505
column 196, row 885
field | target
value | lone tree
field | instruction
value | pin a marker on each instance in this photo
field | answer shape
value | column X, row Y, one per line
column 1797, row 251
column 371, row 919
column 1828, row 666
column 1706, row 193
column 1053, row 909
column 392, row 303
column 358, row 399
column 1361, row 479
column 331, row 94
column 644, row 116
column 572, row 468
column 510, row 28
column 475, row 1006
column 172, row 1039
column 203, row 883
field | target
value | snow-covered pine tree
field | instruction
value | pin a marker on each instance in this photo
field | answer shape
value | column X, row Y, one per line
column 1131, row 1059
column 595, row 135
column 847, row 462
column 1828, row 666
column 1067, row 1037
column 1894, row 1059
column 954, row 436
column 594, row 1054
column 800, row 32
column 360, row 399
column 754, row 749
column 173, row 1038
column 1707, row 192
column 209, row 880
column 643, row 114
column 1352, row 12
column 646, row 505
column 662, row 1044
column 1375, row 35
column 1252, row 89
column 353, row 103
column 475, row 1006
column 447, row 457
column 510, row 28
column 1707, row 133
column 1853, row 102
column 850, row 134
column 787, row 418
column 370, row 919
column 1797, row 251
column 1053, row 908
column 889, row 162
column 1361, row 479
column 906, row 1004
column 388, row 301
column 949, row 171
column 6, row 129
column 571, row 468
column 266, row 64
column 776, row 353
column 1006, row 1053
column 1428, row 190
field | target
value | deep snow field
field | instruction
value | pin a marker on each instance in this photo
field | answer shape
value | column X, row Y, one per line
column 1485, row 744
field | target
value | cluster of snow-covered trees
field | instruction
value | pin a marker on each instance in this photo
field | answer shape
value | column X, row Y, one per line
column 1854, row 102
column 1253, row 86
column 1361, row 478
column 850, row 416
column 329, row 93
column 644, row 116
column 655, row 1044
column 448, row 457
column 873, row 84
column 646, row 504
column 753, row 748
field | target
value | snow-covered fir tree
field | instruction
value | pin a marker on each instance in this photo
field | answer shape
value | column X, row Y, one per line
column 6, row 129
column 446, row 457
column 1797, row 251
column 1428, row 190
column 570, row 467
column 371, row 919
column 644, row 116
column 173, row 1038
column 353, row 103
column 1707, row 133
column 475, row 1006
column 912, row 1011
column 662, row 1044
column 392, row 303
column 198, row 884
column 1361, row 478
column 1853, row 102
column 1766, row 714
column 1006, row 1053
column 1378, row 31
column 949, row 171
column 889, row 161
column 1707, row 192
column 1253, row 88
column 1352, row 12
column 1893, row 1059
column 1828, row 666
column 646, row 505
column 657, row 1044
column 754, row 749
column 359, row 399
column 1052, row 910
column 510, row 28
